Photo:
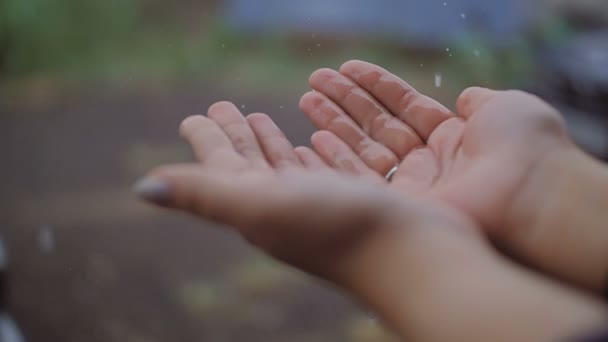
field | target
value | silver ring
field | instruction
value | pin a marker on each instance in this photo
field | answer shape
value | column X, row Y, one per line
column 391, row 173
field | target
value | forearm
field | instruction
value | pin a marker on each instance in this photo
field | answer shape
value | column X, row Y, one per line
column 446, row 286
column 568, row 233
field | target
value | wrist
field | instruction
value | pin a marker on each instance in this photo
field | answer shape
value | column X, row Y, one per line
column 437, row 279
column 561, row 222
column 395, row 271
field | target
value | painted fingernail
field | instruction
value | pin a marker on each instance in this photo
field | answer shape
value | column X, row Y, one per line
column 153, row 190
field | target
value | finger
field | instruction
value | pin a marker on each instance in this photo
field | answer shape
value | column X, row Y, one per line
column 277, row 149
column 207, row 138
column 338, row 155
column 279, row 199
column 236, row 127
column 370, row 115
column 472, row 99
column 210, row 193
column 420, row 112
column 310, row 159
column 326, row 115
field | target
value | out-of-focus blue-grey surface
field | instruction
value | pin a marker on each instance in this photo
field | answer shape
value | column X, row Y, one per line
column 8, row 330
column 413, row 22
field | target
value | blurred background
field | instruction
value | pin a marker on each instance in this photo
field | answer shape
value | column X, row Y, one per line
column 92, row 93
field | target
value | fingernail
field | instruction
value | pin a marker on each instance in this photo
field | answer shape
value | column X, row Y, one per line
column 153, row 190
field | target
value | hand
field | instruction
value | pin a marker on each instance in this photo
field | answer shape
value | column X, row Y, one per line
column 496, row 160
column 277, row 204
column 415, row 263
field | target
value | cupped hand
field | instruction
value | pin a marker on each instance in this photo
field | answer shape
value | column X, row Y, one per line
column 290, row 204
column 489, row 160
column 477, row 161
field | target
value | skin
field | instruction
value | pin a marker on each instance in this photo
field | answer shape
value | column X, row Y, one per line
column 504, row 159
column 425, row 267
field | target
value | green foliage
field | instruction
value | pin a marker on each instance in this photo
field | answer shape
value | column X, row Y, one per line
column 42, row 34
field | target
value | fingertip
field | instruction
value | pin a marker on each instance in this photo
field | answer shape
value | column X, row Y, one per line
column 186, row 126
column 256, row 118
column 320, row 76
column 471, row 99
column 158, row 186
column 154, row 190
column 309, row 101
column 303, row 153
column 220, row 107
column 322, row 140
column 352, row 66
column 321, row 136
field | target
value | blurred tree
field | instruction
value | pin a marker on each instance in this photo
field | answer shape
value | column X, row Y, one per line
column 41, row 34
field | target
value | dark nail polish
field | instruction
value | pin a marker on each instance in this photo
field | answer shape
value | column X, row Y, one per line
column 153, row 190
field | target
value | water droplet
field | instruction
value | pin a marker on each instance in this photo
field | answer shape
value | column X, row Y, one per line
column 421, row 65
column 477, row 53
column 318, row 44
column 447, row 49
column 463, row 16
column 223, row 46
column 46, row 239
column 445, row 4
column 438, row 80
column 243, row 106
column 281, row 107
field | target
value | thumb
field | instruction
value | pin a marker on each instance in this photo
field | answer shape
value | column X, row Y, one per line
column 211, row 194
column 472, row 99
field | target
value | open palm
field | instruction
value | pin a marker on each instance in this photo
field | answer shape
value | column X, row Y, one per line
column 480, row 161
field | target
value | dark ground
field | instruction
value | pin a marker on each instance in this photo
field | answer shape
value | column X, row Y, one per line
column 91, row 263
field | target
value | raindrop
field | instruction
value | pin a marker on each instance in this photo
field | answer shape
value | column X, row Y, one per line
column 477, row 53
column 318, row 44
column 447, row 49
column 223, row 46
column 281, row 107
column 463, row 16
column 243, row 106
column 46, row 239
column 438, row 80
column 445, row 4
